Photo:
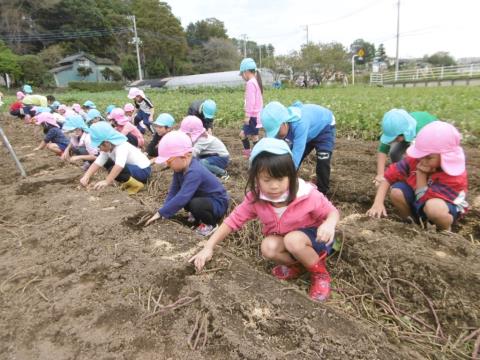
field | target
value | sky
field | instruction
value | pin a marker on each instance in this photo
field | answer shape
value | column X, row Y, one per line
column 426, row 26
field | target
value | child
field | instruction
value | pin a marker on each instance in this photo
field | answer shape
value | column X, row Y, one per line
column 253, row 103
column 123, row 125
column 109, row 109
column 211, row 151
column 87, row 105
column 430, row 183
column 193, row 187
column 54, row 139
column 128, row 165
column 27, row 89
column 205, row 110
column 78, row 109
column 304, row 127
column 80, row 143
column 144, row 108
column 162, row 125
column 94, row 116
column 298, row 221
column 399, row 129
column 129, row 111
column 16, row 108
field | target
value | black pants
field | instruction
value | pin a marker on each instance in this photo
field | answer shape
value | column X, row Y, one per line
column 202, row 209
column 322, row 169
column 124, row 174
column 132, row 139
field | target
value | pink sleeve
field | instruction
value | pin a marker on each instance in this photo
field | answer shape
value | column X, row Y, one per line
column 250, row 99
column 241, row 214
column 323, row 206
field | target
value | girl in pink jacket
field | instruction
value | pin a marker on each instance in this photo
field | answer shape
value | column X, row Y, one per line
column 298, row 221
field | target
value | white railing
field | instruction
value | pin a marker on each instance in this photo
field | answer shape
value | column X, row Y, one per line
column 427, row 74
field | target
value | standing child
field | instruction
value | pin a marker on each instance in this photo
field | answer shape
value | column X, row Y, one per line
column 298, row 221
column 193, row 187
column 205, row 110
column 430, row 183
column 253, row 104
column 162, row 125
column 54, row 139
column 124, row 162
column 80, row 142
column 399, row 129
column 211, row 151
column 145, row 110
column 304, row 127
column 124, row 126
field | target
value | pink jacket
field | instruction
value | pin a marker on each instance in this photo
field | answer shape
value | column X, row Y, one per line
column 309, row 209
column 253, row 100
column 130, row 128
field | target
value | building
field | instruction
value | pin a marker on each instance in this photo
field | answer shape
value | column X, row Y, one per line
column 84, row 67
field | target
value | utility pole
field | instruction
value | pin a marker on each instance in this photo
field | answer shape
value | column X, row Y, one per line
column 260, row 51
column 244, row 36
column 398, row 38
column 136, row 40
column 306, row 29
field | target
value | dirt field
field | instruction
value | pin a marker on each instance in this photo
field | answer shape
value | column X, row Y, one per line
column 79, row 279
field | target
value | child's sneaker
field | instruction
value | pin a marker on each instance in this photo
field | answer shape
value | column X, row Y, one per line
column 320, row 280
column 287, row 272
column 225, row 177
column 205, row 230
column 246, row 153
column 190, row 218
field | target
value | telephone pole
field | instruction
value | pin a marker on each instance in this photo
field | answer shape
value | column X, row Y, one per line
column 398, row 38
column 260, row 51
column 244, row 36
column 136, row 40
column 306, row 29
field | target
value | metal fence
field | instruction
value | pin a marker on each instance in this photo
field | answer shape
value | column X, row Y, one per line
column 426, row 74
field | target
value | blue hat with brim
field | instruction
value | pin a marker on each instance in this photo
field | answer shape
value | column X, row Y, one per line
column 109, row 108
column 209, row 108
column 103, row 131
column 275, row 114
column 55, row 105
column 164, row 120
column 270, row 145
column 247, row 64
column 27, row 89
column 92, row 114
column 42, row 109
column 90, row 104
column 398, row 122
column 73, row 122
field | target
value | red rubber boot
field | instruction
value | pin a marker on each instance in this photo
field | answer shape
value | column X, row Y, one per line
column 287, row 272
column 320, row 280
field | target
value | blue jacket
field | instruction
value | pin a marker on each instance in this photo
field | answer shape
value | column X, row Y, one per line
column 197, row 181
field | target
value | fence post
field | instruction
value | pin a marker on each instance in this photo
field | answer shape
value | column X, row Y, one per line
column 441, row 73
column 471, row 70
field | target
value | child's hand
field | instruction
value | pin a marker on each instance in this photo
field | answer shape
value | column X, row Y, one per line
column 85, row 180
column 65, row 156
column 326, row 233
column 101, row 184
column 201, row 258
column 377, row 211
column 153, row 218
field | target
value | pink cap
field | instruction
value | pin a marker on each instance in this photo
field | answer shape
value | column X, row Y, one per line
column 20, row 95
column 46, row 117
column 192, row 126
column 442, row 138
column 174, row 143
column 134, row 92
column 77, row 108
column 128, row 107
column 63, row 108
column 118, row 115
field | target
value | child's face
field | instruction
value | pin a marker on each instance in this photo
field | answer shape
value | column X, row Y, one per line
column 129, row 113
column 106, row 146
column 178, row 163
column 138, row 98
column 272, row 187
column 160, row 130
column 78, row 132
column 430, row 162
column 283, row 131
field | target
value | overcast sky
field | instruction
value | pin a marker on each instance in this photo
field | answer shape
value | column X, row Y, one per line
column 426, row 26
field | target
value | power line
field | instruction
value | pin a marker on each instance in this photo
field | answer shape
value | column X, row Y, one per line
column 63, row 35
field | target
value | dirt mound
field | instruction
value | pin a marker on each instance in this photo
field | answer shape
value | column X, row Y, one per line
column 80, row 278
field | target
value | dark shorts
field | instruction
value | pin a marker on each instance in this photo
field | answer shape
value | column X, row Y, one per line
column 317, row 246
column 417, row 211
column 219, row 161
column 62, row 146
column 251, row 128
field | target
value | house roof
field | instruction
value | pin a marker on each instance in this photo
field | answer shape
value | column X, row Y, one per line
column 70, row 59
column 61, row 68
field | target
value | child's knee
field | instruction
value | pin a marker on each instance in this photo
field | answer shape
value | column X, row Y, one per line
column 295, row 241
column 396, row 196
column 270, row 247
column 435, row 209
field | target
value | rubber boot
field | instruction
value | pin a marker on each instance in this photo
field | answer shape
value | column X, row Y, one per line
column 320, row 280
column 288, row 272
column 132, row 186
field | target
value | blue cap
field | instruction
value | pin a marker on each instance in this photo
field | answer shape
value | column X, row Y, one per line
column 209, row 108
column 275, row 114
column 90, row 104
column 92, row 114
column 398, row 122
column 270, row 145
column 164, row 120
column 55, row 105
column 103, row 131
column 42, row 109
column 110, row 108
column 247, row 64
column 27, row 89
column 73, row 122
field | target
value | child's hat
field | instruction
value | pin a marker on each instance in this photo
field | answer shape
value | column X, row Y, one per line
column 55, row 105
column 398, row 122
column 103, row 131
column 20, row 95
column 47, row 118
column 192, row 126
column 77, row 107
column 209, row 108
column 109, row 109
column 118, row 115
column 164, row 120
column 62, row 107
column 247, row 64
column 442, row 138
column 41, row 109
column 175, row 143
column 90, row 104
column 270, row 145
column 27, row 89
column 134, row 92
column 93, row 114
column 128, row 107
column 275, row 114
column 73, row 122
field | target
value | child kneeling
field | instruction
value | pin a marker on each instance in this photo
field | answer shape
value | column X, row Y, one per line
column 298, row 221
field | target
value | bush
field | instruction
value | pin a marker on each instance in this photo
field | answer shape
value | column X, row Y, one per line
column 96, row 87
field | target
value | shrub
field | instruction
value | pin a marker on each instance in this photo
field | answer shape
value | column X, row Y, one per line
column 96, row 87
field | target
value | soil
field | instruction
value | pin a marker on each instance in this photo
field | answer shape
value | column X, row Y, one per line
column 81, row 279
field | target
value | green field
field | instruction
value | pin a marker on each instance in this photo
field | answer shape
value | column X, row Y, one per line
column 358, row 110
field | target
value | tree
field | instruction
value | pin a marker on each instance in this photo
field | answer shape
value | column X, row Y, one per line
column 110, row 75
column 440, row 58
column 9, row 62
column 217, row 54
column 128, row 63
column 203, row 30
column 34, row 71
column 51, row 55
column 368, row 47
column 84, row 71
column 380, row 54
